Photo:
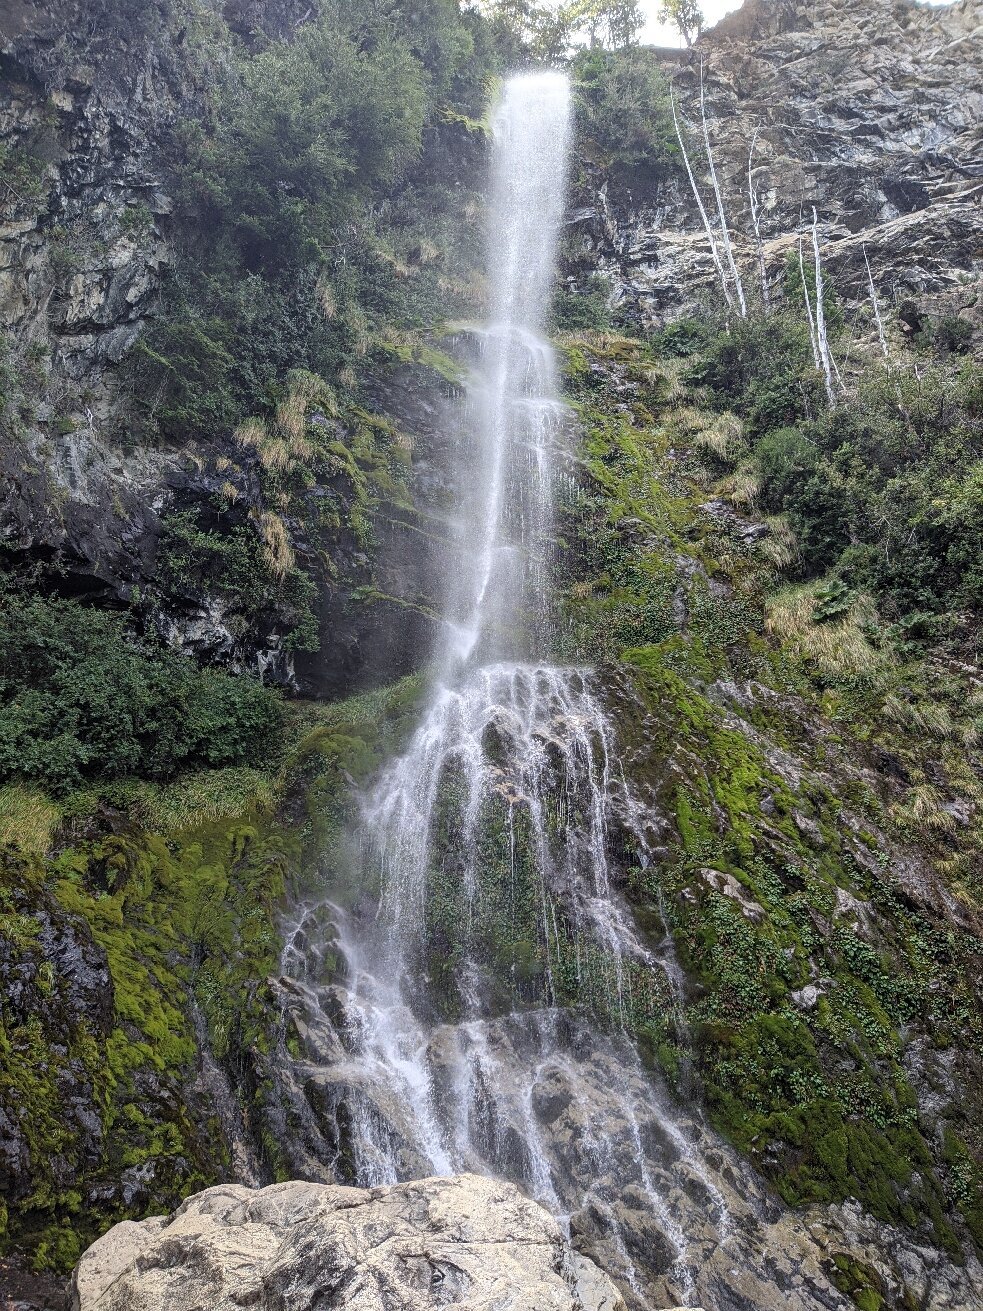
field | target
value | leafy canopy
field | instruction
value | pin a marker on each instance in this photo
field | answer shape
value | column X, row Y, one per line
column 81, row 701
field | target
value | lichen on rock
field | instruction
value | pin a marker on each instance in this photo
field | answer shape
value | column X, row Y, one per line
column 462, row 1240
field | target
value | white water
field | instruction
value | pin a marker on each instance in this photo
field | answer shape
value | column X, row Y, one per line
column 446, row 1038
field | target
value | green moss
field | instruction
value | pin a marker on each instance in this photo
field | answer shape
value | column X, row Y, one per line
column 858, row 1280
column 189, row 919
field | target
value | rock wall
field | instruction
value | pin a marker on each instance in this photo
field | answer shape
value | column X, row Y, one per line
column 872, row 114
column 464, row 1240
column 93, row 97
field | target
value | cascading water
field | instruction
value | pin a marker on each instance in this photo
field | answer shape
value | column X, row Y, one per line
column 451, row 1031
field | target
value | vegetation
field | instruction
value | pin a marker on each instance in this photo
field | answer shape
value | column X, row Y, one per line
column 546, row 30
column 881, row 489
column 783, row 589
column 623, row 113
column 739, row 544
column 310, row 217
column 162, row 904
column 82, row 702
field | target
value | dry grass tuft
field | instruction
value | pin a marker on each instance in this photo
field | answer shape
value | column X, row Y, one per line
column 676, row 388
column 214, row 794
column 251, row 433
column 742, row 488
column 837, row 647
column 924, row 809
column 780, row 547
column 326, row 297
column 684, row 421
column 927, row 717
column 723, row 435
column 277, row 551
column 291, row 416
column 28, row 819
column 426, row 252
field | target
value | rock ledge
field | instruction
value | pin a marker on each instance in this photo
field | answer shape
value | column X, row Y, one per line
column 466, row 1240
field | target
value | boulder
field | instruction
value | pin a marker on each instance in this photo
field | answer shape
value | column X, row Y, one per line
column 466, row 1240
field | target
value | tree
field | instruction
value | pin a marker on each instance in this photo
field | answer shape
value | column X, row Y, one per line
column 613, row 24
column 685, row 15
column 547, row 28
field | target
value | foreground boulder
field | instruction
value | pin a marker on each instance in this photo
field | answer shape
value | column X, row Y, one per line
column 298, row 1246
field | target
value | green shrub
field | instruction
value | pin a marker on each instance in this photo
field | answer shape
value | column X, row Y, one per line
column 84, row 701
column 953, row 334
column 762, row 368
column 622, row 100
column 584, row 310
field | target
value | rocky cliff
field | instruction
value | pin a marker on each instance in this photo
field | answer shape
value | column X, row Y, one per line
column 872, row 114
column 805, row 744
column 96, row 102
column 881, row 136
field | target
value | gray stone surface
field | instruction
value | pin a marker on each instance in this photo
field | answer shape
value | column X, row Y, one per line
column 872, row 113
column 466, row 1241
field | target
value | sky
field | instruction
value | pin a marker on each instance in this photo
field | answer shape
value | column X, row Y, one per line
column 655, row 34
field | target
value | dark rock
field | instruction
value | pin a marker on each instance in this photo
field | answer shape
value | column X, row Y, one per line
column 880, row 134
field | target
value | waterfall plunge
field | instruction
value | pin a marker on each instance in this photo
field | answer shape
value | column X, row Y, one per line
column 454, row 1034
column 496, row 606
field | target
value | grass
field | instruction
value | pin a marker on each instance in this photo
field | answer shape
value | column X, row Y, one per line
column 722, row 435
column 780, row 547
column 208, row 796
column 28, row 819
column 836, row 648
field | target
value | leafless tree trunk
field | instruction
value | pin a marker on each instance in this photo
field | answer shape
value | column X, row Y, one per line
column 753, row 195
column 821, row 338
column 877, row 308
column 699, row 204
column 724, row 230
column 812, row 322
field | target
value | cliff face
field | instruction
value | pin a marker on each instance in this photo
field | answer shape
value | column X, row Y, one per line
column 82, row 253
column 872, row 114
column 94, row 98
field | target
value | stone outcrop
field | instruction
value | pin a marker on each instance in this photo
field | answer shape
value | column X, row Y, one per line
column 466, row 1240
column 872, row 113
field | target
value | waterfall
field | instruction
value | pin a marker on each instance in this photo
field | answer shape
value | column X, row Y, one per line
column 497, row 604
column 478, row 1016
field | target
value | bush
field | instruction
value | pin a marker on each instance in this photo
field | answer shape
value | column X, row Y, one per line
column 953, row 334
column 580, row 311
column 83, row 701
column 886, row 488
column 623, row 108
column 762, row 368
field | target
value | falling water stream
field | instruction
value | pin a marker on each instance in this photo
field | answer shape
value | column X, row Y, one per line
column 478, row 1018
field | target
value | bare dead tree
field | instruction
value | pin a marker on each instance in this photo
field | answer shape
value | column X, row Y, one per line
column 877, row 309
column 724, row 230
column 812, row 322
column 715, row 253
column 753, row 196
column 829, row 364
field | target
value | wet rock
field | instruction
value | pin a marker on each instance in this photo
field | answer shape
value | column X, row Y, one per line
column 870, row 113
column 728, row 886
column 426, row 1244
